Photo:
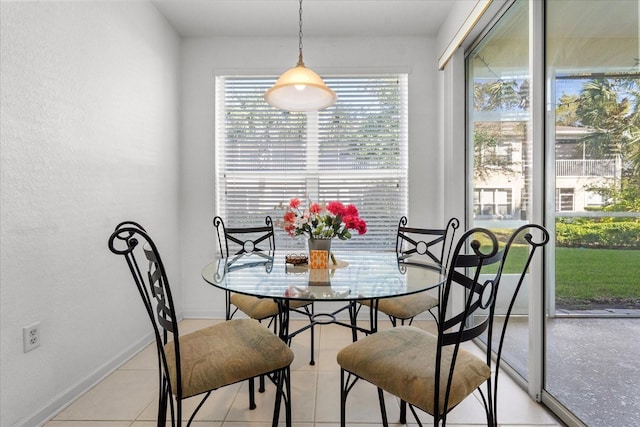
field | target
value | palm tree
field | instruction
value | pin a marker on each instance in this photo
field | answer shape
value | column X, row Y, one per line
column 611, row 106
column 510, row 95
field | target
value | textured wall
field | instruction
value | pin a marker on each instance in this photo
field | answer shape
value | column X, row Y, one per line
column 89, row 134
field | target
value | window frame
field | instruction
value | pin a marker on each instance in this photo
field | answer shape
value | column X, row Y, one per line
column 380, row 193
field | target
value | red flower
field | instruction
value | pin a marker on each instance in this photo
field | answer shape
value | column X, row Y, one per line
column 335, row 208
column 351, row 210
column 290, row 229
column 315, row 209
column 294, row 203
column 361, row 226
column 289, row 217
column 349, row 221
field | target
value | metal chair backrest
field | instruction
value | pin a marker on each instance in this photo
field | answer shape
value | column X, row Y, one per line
column 240, row 240
column 475, row 272
column 132, row 242
column 425, row 245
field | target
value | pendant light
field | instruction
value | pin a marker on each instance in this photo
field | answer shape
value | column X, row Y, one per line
column 300, row 88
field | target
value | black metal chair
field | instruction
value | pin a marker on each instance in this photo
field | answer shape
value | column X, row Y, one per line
column 418, row 246
column 205, row 360
column 433, row 372
column 259, row 240
column 425, row 245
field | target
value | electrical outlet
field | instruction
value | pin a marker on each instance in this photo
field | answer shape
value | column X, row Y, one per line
column 31, row 337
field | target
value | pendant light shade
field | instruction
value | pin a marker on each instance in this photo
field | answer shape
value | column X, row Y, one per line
column 300, row 88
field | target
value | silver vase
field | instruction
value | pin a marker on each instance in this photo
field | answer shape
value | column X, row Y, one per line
column 320, row 245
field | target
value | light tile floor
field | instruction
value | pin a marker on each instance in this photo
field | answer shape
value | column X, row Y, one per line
column 127, row 397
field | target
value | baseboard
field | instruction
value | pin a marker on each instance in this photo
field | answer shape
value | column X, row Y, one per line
column 60, row 402
column 204, row 314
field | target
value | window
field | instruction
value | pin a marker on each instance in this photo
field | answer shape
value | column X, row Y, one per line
column 564, row 199
column 355, row 152
column 492, row 202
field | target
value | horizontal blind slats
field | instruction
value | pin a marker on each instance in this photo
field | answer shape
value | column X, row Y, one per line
column 355, row 152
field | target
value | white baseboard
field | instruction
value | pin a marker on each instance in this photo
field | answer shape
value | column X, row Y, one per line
column 204, row 314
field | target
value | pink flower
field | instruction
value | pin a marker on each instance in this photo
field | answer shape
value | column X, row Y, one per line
column 294, row 203
column 289, row 217
column 315, row 209
column 290, row 230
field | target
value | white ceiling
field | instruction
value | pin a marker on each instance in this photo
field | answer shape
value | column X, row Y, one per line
column 343, row 18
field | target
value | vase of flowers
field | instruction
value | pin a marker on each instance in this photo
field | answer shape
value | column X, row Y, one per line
column 322, row 222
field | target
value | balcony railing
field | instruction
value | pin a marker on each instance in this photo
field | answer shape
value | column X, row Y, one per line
column 604, row 168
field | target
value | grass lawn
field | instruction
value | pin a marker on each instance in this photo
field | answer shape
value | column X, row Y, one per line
column 591, row 278
column 587, row 278
column 597, row 277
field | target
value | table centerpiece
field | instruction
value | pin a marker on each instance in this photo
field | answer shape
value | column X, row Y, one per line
column 322, row 222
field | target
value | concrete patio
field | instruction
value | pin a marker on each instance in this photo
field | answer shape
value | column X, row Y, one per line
column 591, row 363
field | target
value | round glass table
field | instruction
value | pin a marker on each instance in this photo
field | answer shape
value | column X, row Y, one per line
column 357, row 276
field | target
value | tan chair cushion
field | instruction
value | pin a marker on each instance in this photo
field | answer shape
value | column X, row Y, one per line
column 260, row 308
column 402, row 361
column 407, row 306
column 226, row 353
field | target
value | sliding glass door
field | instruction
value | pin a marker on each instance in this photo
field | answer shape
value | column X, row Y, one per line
column 500, row 139
column 593, row 138
column 586, row 334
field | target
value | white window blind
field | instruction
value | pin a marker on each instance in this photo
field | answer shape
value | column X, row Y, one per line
column 354, row 152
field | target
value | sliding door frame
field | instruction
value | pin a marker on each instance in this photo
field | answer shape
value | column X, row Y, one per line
column 538, row 273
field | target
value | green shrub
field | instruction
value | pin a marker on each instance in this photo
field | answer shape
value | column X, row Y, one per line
column 601, row 234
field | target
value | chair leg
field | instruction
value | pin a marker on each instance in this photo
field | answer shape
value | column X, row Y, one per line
column 276, row 406
column 313, row 340
column 287, row 383
column 383, row 408
column 261, row 389
column 193, row 414
column 353, row 316
column 489, row 405
column 393, row 320
column 163, row 399
column 373, row 316
column 403, row 412
column 343, row 400
column 252, row 396
column 283, row 391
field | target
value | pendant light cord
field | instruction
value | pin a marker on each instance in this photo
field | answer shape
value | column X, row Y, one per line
column 300, row 63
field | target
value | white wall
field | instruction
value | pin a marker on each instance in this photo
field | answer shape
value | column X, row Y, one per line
column 203, row 58
column 89, row 132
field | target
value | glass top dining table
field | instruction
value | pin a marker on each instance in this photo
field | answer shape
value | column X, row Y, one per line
column 356, row 276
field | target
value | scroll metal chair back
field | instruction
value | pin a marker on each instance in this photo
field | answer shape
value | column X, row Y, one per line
column 425, row 245
column 132, row 242
column 260, row 241
column 233, row 243
column 432, row 372
column 241, row 240
column 418, row 246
